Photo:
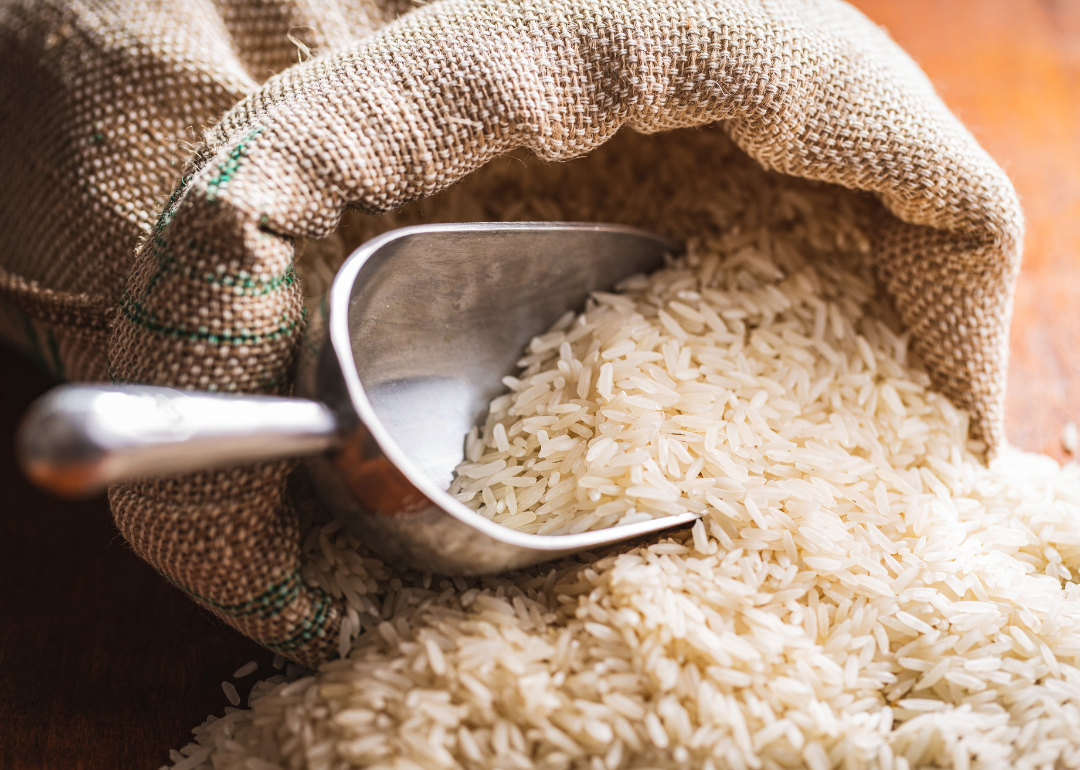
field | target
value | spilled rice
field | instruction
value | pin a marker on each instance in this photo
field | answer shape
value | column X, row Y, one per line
column 861, row 591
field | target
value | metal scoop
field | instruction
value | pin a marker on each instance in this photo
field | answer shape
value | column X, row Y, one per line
column 418, row 330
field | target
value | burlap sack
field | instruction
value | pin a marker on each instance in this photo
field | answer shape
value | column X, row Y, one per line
column 138, row 249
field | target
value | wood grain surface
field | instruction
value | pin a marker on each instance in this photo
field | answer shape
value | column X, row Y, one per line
column 104, row 665
column 1010, row 69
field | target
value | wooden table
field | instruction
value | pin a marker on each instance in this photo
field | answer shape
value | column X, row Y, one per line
column 1010, row 69
column 103, row 665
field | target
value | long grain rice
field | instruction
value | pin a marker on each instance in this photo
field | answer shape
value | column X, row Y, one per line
column 861, row 591
column 247, row 669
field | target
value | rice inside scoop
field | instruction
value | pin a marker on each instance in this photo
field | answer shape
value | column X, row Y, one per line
column 861, row 591
column 688, row 389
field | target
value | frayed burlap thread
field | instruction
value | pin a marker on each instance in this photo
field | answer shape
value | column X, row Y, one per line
column 396, row 107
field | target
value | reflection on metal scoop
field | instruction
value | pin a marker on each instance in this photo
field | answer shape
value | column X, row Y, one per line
column 421, row 325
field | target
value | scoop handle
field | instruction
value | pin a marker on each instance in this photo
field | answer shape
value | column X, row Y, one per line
column 76, row 440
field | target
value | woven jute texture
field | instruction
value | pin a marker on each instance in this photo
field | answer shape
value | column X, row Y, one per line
column 159, row 161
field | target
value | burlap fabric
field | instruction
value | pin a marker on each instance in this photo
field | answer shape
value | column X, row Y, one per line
column 137, row 248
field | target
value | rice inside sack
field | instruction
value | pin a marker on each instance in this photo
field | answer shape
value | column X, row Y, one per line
column 861, row 591
column 673, row 394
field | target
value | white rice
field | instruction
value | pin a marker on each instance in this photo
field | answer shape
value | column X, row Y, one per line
column 245, row 670
column 230, row 693
column 657, row 400
column 861, row 590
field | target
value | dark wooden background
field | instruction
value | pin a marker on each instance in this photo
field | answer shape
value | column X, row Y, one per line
column 103, row 665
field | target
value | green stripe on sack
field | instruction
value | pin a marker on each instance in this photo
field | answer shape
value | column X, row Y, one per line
column 243, row 284
column 228, row 168
column 134, row 312
column 308, row 629
column 269, row 605
column 159, row 245
column 265, row 605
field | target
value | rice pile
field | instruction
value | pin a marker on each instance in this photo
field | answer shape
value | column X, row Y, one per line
column 677, row 392
column 861, row 590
